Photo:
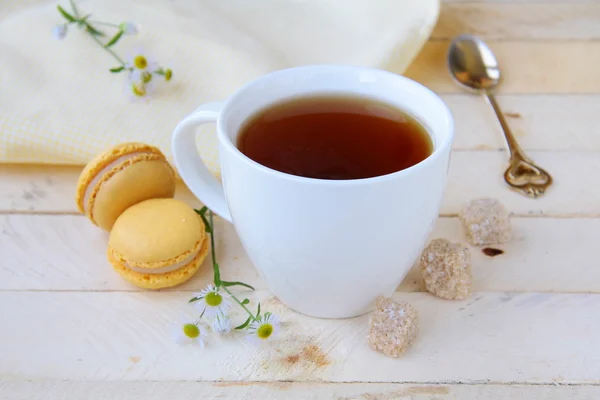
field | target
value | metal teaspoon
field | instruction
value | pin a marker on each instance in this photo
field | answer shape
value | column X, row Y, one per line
column 473, row 65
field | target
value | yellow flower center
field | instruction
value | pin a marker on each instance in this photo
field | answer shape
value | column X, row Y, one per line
column 140, row 62
column 168, row 75
column 264, row 331
column 146, row 77
column 213, row 299
column 138, row 90
column 191, row 331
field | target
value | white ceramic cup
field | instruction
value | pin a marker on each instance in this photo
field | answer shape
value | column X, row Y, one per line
column 326, row 248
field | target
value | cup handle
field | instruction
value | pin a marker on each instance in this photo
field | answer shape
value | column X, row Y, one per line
column 192, row 170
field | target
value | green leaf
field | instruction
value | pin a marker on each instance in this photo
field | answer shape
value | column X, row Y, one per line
column 117, row 69
column 258, row 312
column 268, row 314
column 245, row 324
column 193, row 299
column 227, row 284
column 114, row 39
column 65, row 14
column 245, row 301
column 93, row 30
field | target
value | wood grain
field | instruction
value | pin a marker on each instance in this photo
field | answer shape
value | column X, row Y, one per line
column 480, row 174
column 57, row 390
column 538, row 67
column 66, row 253
column 540, row 122
column 528, row 21
column 492, row 337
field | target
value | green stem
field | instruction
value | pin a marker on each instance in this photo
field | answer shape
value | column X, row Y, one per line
column 213, row 252
column 240, row 303
column 104, row 23
column 112, row 53
column 80, row 20
column 200, row 317
column 216, row 266
column 75, row 10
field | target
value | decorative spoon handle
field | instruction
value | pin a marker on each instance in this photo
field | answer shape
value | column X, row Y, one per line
column 522, row 174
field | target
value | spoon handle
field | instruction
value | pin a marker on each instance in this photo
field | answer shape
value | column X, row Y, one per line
column 513, row 146
column 522, row 174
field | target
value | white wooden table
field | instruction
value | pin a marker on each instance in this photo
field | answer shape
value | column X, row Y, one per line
column 71, row 328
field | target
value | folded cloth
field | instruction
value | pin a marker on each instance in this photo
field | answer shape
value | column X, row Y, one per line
column 60, row 104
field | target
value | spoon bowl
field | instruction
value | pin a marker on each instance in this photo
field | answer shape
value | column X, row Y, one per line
column 473, row 66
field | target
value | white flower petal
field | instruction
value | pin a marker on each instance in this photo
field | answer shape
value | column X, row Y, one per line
column 128, row 28
column 59, row 31
column 221, row 324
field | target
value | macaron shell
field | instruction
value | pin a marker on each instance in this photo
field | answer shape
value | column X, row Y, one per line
column 156, row 233
column 143, row 177
column 161, row 281
column 94, row 166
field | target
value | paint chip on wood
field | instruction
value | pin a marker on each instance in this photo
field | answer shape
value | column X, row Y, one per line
column 513, row 115
column 492, row 252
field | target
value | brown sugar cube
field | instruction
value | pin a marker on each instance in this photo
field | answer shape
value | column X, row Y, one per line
column 393, row 326
column 446, row 269
column 485, row 221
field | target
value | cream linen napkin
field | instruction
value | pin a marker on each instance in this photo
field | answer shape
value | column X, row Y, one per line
column 59, row 104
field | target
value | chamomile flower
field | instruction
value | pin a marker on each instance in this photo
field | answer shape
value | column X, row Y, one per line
column 212, row 302
column 60, row 31
column 128, row 28
column 138, row 89
column 138, row 76
column 188, row 332
column 221, row 324
column 165, row 73
column 265, row 328
column 137, row 60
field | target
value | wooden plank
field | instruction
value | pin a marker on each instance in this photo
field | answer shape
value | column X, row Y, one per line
column 49, row 252
column 555, row 21
column 472, row 174
column 492, row 337
column 59, row 390
column 540, row 122
column 527, row 67
column 65, row 252
column 480, row 174
column 536, row 260
column 50, row 188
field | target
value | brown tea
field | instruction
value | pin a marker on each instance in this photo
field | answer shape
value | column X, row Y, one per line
column 334, row 138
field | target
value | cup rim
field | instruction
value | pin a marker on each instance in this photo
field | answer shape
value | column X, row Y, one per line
column 226, row 141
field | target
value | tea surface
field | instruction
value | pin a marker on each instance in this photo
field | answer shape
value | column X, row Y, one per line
column 334, row 138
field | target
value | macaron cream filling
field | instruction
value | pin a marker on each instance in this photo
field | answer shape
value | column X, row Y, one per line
column 92, row 184
column 168, row 268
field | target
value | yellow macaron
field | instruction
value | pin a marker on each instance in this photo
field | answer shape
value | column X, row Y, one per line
column 121, row 177
column 158, row 243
